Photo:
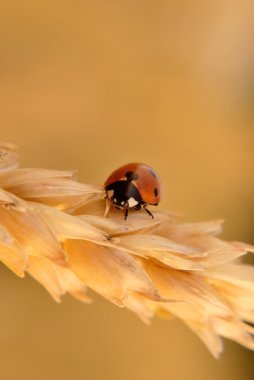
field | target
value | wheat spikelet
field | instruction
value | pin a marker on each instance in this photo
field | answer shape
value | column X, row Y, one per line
column 52, row 227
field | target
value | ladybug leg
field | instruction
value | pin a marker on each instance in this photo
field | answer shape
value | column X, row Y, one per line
column 126, row 213
column 148, row 212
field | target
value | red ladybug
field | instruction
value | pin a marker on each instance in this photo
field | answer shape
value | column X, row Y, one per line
column 133, row 186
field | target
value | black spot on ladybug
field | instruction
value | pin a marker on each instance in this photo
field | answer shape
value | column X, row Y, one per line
column 155, row 191
column 153, row 173
column 131, row 176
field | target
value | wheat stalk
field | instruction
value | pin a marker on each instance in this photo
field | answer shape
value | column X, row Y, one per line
column 52, row 227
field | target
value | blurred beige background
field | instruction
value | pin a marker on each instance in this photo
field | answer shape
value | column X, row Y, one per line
column 91, row 85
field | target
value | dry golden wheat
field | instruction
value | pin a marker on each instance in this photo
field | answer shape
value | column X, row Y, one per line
column 52, row 227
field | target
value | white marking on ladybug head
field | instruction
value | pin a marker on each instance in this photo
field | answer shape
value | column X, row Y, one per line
column 110, row 193
column 132, row 202
column 122, row 203
column 115, row 200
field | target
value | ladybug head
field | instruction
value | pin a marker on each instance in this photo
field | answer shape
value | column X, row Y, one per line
column 124, row 194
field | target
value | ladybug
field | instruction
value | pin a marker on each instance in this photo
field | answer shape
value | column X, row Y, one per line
column 133, row 186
